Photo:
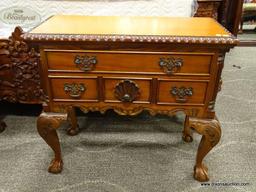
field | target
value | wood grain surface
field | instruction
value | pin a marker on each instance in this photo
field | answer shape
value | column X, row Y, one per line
column 74, row 24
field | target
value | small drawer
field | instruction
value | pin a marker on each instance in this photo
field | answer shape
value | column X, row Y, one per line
column 74, row 88
column 130, row 62
column 127, row 90
column 184, row 92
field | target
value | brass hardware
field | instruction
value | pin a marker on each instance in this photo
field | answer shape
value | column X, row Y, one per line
column 211, row 105
column 74, row 89
column 181, row 93
column 171, row 65
column 126, row 98
column 127, row 91
column 85, row 63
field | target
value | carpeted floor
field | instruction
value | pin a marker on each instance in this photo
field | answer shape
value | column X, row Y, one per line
column 140, row 154
column 249, row 35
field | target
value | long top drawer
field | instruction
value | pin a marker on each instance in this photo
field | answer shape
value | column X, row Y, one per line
column 129, row 62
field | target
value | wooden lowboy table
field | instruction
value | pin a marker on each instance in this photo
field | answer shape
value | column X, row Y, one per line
column 130, row 64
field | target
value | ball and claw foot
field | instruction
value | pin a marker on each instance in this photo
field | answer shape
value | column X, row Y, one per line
column 55, row 166
column 187, row 138
column 72, row 132
column 200, row 173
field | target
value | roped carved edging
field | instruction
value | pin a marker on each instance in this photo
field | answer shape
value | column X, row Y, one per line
column 24, row 64
column 130, row 38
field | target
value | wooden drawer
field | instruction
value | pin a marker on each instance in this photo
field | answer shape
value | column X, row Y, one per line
column 129, row 62
column 74, row 88
column 185, row 92
column 127, row 90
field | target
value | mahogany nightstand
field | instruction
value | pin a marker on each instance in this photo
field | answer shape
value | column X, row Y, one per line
column 130, row 64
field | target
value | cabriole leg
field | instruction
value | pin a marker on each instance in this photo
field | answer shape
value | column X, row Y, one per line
column 211, row 133
column 186, row 134
column 47, row 123
column 74, row 128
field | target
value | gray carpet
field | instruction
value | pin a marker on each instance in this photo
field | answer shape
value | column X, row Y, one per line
column 251, row 35
column 140, row 154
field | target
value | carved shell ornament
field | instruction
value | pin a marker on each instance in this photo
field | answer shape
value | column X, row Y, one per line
column 127, row 91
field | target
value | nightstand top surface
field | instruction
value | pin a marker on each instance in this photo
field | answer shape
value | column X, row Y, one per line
column 116, row 25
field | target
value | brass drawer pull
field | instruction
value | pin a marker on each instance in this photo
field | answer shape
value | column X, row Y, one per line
column 181, row 93
column 85, row 63
column 126, row 91
column 171, row 65
column 74, row 90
